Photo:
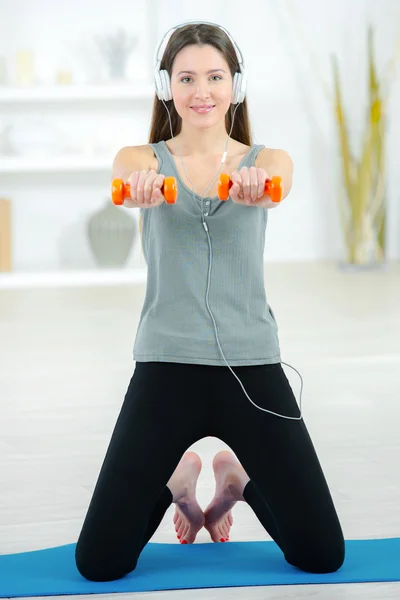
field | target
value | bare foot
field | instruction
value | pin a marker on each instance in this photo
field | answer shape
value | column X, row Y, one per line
column 231, row 479
column 189, row 517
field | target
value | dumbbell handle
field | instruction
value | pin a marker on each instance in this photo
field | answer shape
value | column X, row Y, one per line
column 121, row 190
column 273, row 187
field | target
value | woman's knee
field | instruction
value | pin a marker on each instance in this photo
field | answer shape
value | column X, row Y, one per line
column 325, row 557
column 317, row 564
column 330, row 563
column 101, row 568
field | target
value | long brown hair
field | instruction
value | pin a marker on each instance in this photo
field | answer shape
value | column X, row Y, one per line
column 198, row 34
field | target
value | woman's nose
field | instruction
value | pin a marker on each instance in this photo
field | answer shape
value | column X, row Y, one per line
column 202, row 91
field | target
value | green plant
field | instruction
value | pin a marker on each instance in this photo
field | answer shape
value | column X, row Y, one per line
column 363, row 205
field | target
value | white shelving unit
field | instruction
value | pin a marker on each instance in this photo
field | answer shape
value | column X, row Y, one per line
column 57, row 164
column 65, row 96
column 71, row 93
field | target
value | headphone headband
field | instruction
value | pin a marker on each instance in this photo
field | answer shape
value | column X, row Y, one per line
column 158, row 59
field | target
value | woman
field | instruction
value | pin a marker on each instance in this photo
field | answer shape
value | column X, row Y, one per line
column 181, row 389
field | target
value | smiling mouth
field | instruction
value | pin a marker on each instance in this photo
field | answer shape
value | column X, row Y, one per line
column 202, row 109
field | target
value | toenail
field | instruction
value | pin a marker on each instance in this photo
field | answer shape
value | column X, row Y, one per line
column 222, row 540
column 179, row 537
column 183, row 542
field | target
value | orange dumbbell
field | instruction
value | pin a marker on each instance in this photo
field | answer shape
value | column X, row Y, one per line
column 273, row 187
column 121, row 190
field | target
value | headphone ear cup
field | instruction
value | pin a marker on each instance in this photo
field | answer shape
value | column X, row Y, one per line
column 235, row 82
column 238, row 88
column 158, row 84
column 165, row 86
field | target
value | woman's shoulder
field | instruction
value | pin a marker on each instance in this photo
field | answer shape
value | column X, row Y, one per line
column 263, row 155
column 240, row 150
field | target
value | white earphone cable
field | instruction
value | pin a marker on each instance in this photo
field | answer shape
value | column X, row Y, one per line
column 209, row 275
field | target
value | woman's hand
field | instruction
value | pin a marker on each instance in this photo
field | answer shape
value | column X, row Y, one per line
column 145, row 189
column 248, row 187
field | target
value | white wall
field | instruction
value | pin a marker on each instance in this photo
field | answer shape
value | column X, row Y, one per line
column 288, row 109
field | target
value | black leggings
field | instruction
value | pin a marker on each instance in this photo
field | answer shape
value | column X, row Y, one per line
column 170, row 406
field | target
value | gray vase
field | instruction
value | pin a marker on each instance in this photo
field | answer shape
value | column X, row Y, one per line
column 111, row 233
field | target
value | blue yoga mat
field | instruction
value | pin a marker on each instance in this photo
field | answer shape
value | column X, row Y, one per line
column 52, row 571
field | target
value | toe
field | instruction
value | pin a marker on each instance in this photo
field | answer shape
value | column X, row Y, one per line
column 225, row 529
column 228, row 526
column 221, row 534
column 185, row 531
column 215, row 534
column 181, row 529
column 190, row 536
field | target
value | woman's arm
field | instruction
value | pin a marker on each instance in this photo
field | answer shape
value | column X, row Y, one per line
column 127, row 160
column 276, row 162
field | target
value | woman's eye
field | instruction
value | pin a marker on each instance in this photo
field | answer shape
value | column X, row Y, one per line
column 184, row 79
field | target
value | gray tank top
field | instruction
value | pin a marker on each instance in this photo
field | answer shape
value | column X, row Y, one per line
column 175, row 324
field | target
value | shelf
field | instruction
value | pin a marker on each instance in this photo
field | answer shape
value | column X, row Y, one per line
column 58, row 164
column 77, row 278
column 68, row 93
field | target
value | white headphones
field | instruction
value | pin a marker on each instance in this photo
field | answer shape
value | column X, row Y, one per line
column 162, row 79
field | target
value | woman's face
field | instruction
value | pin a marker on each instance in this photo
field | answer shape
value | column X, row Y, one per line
column 201, row 77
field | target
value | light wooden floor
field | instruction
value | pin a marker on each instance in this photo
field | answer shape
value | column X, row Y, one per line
column 65, row 362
